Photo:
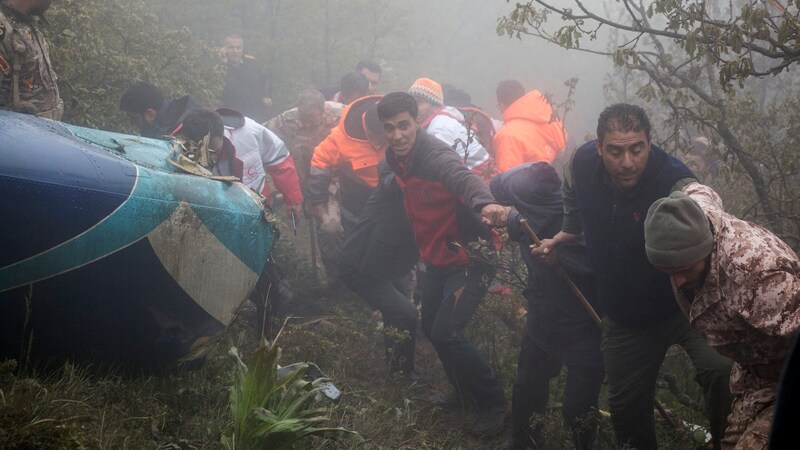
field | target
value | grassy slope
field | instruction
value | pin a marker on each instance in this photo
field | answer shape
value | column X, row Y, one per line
column 183, row 408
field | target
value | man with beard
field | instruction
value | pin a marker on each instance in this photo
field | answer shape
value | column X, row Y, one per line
column 609, row 184
column 739, row 285
column 302, row 129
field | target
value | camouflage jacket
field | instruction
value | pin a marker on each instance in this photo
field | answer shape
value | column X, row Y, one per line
column 25, row 66
column 748, row 307
column 295, row 134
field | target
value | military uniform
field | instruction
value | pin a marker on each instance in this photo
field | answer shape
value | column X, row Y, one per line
column 641, row 318
column 748, row 309
column 27, row 79
column 301, row 141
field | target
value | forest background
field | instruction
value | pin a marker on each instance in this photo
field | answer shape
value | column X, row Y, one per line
column 729, row 79
column 721, row 71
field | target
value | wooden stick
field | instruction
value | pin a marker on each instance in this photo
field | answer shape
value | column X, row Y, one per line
column 586, row 305
column 312, row 236
column 589, row 309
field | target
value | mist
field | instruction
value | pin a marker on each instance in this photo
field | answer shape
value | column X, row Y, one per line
column 458, row 44
column 314, row 42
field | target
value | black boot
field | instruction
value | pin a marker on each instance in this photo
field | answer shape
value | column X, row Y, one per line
column 584, row 432
column 400, row 357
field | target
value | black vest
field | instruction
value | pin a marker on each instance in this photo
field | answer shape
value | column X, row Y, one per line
column 633, row 293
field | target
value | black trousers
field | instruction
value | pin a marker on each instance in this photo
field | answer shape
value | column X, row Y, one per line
column 397, row 309
column 450, row 297
column 536, row 367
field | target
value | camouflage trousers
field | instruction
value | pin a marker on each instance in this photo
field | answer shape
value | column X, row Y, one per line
column 29, row 108
column 747, row 433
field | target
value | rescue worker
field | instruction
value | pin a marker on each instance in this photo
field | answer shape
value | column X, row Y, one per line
column 303, row 128
column 531, row 133
column 483, row 124
column 448, row 124
column 558, row 331
column 256, row 152
column 150, row 111
column 28, row 82
column 739, row 285
column 608, row 186
column 442, row 199
column 249, row 151
column 376, row 263
column 352, row 150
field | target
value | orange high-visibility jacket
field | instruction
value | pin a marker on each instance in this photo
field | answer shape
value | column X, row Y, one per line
column 530, row 133
column 347, row 147
column 348, row 152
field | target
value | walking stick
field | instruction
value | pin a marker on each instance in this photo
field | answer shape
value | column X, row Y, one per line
column 589, row 309
column 312, row 235
column 586, row 305
column 303, row 155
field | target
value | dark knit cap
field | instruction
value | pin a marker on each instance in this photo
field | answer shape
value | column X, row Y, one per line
column 534, row 189
column 676, row 232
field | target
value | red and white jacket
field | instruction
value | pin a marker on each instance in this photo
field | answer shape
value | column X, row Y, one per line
column 448, row 124
column 442, row 199
column 261, row 152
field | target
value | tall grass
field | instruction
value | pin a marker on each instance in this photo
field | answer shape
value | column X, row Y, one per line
column 274, row 412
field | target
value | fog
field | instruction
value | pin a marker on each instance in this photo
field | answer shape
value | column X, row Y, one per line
column 315, row 42
column 457, row 43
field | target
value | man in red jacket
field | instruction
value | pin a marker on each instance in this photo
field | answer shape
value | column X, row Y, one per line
column 447, row 206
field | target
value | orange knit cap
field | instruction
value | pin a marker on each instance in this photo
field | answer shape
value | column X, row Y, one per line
column 427, row 89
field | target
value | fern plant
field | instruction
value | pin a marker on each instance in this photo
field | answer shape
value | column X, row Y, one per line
column 276, row 412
